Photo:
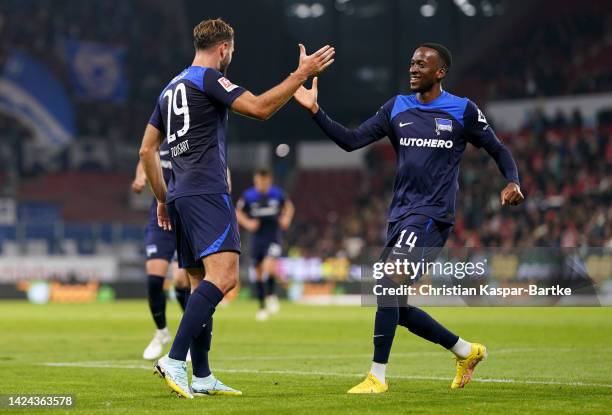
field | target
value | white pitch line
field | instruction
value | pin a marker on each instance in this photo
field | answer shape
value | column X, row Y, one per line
column 107, row 365
column 356, row 356
column 400, row 354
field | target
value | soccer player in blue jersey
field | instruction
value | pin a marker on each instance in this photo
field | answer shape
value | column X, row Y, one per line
column 160, row 248
column 192, row 113
column 429, row 131
column 266, row 212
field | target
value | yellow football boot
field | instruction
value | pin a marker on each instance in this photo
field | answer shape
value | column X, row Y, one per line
column 465, row 367
column 370, row 385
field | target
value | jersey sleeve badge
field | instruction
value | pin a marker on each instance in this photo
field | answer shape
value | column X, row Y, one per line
column 227, row 84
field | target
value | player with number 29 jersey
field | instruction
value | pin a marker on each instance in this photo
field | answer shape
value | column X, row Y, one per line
column 193, row 111
column 191, row 114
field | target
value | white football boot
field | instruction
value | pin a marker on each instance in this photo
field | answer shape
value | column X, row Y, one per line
column 155, row 349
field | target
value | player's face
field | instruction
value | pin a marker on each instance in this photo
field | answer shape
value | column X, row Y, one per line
column 227, row 49
column 262, row 183
column 425, row 70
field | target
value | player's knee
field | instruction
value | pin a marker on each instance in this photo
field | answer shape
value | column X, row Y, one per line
column 404, row 317
column 388, row 314
column 181, row 280
column 229, row 282
column 182, row 284
column 225, row 281
column 222, row 270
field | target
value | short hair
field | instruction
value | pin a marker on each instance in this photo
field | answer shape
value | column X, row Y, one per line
column 210, row 32
column 263, row 171
column 443, row 52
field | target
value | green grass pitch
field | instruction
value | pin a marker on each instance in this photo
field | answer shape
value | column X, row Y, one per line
column 541, row 361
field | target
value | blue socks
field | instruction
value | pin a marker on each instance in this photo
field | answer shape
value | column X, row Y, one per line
column 182, row 296
column 271, row 284
column 260, row 292
column 200, row 346
column 423, row 325
column 387, row 316
column 198, row 313
column 157, row 300
column 394, row 310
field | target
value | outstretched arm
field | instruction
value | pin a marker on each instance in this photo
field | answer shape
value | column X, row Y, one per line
column 480, row 134
column 511, row 194
column 371, row 130
column 263, row 106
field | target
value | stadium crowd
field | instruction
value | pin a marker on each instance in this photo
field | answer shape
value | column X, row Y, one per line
column 126, row 25
column 566, row 52
column 541, row 51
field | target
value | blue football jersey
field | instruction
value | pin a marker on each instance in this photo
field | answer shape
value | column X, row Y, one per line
column 429, row 140
column 192, row 112
column 266, row 207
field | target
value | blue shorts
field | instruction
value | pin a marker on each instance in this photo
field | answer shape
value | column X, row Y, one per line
column 159, row 244
column 415, row 238
column 204, row 225
column 261, row 249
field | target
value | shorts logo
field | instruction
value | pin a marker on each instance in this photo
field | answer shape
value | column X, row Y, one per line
column 151, row 249
column 443, row 124
column 274, row 250
column 227, row 84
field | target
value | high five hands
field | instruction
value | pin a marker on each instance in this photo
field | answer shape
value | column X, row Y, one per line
column 312, row 65
column 307, row 98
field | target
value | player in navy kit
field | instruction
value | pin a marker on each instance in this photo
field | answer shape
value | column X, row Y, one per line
column 192, row 113
column 160, row 249
column 429, row 131
column 264, row 210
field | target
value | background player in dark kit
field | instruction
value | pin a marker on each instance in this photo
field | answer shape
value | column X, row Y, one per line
column 266, row 212
column 192, row 113
column 429, row 131
column 160, row 249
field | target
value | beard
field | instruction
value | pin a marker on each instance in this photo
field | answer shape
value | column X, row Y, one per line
column 422, row 87
column 224, row 64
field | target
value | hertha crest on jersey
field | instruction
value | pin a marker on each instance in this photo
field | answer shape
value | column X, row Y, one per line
column 443, row 124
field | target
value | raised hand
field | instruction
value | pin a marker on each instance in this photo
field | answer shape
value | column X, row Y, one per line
column 307, row 98
column 311, row 65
